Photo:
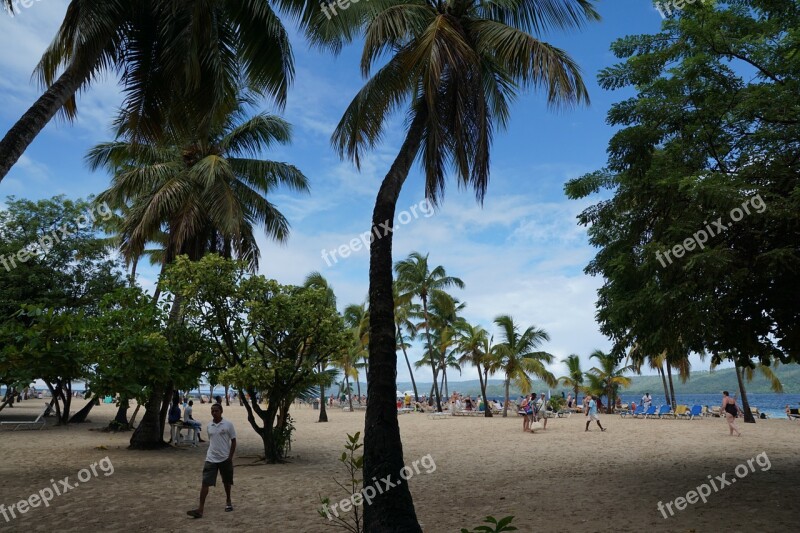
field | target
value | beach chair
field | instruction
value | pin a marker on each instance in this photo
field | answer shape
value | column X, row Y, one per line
column 651, row 411
column 695, row 412
column 663, row 412
column 639, row 411
column 715, row 411
column 793, row 414
column 440, row 416
column 681, row 411
column 29, row 424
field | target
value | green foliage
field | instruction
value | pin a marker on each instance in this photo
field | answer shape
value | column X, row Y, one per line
column 494, row 527
column 267, row 337
column 557, row 403
column 713, row 126
column 137, row 350
column 353, row 464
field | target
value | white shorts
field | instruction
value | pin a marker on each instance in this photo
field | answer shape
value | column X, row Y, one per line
column 589, row 418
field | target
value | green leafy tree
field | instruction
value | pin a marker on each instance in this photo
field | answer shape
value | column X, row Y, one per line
column 55, row 265
column 698, row 243
column 271, row 337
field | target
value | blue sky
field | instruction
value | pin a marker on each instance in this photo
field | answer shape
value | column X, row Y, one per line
column 521, row 254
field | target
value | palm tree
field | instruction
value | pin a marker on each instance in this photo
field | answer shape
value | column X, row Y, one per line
column 518, row 360
column 315, row 280
column 174, row 59
column 610, row 376
column 457, row 64
column 748, row 372
column 206, row 194
column 475, row 346
column 403, row 310
column 415, row 279
column 574, row 377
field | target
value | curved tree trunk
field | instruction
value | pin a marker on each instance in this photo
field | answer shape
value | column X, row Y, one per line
column 671, row 386
column 81, row 415
column 408, row 363
column 21, row 134
column 487, row 409
column 664, row 382
column 149, row 434
column 748, row 415
column 391, row 511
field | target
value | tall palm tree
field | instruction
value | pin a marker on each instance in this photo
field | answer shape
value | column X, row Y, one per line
column 315, row 280
column 475, row 348
column 174, row 59
column 403, row 310
column 518, row 360
column 456, row 64
column 206, row 193
column 610, row 375
column 574, row 377
column 416, row 280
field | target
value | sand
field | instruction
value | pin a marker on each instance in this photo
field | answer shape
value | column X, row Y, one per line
column 562, row 479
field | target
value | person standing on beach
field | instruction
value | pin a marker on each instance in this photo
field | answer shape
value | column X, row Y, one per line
column 731, row 411
column 219, row 458
column 591, row 414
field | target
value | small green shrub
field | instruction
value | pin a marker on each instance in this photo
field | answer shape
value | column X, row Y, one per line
column 495, row 527
column 351, row 520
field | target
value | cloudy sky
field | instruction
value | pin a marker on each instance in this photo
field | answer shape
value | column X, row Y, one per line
column 521, row 253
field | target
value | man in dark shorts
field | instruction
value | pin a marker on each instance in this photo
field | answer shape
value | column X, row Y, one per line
column 219, row 458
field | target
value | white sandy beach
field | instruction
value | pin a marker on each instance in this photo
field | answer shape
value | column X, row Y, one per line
column 562, row 479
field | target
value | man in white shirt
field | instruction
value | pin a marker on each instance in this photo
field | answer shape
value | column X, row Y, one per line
column 219, row 458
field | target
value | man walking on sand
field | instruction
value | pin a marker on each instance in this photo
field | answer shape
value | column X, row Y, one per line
column 219, row 458
column 591, row 414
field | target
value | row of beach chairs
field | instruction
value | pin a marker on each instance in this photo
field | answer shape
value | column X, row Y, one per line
column 665, row 411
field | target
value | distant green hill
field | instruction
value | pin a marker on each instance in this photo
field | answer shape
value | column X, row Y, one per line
column 701, row 382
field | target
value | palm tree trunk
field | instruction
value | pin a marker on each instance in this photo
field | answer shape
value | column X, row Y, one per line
column 408, row 363
column 383, row 449
column 348, row 390
column 21, row 134
column 430, row 352
column 487, row 410
column 748, row 415
column 664, row 382
column 323, row 413
column 505, row 403
column 671, row 386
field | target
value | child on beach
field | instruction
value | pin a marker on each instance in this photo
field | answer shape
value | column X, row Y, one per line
column 591, row 414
